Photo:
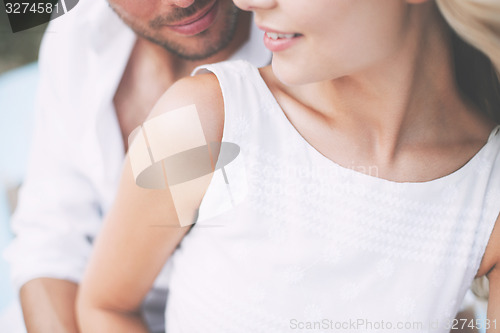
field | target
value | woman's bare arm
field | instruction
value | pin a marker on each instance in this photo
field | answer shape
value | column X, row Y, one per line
column 139, row 235
column 494, row 300
column 492, row 259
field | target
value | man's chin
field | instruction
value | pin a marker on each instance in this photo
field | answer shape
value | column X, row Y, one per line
column 198, row 47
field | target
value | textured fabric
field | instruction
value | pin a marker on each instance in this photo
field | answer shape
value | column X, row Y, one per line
column 315, row 243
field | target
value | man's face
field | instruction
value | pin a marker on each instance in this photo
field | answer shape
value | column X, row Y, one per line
column 191, row 29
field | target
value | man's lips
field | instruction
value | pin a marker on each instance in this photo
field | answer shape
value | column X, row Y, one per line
column 195, row 24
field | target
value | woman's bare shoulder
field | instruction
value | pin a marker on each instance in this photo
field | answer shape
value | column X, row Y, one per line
column 205, row 93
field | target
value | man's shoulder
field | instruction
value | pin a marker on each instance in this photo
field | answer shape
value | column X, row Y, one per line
column 84, row 31
column 86, row 15
column 82, row 53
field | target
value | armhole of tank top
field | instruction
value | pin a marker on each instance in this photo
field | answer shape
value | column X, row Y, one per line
column 492, row 213
column 229, row 107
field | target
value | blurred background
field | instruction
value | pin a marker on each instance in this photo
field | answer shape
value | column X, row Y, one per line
column 18, row 80
column 17, row 49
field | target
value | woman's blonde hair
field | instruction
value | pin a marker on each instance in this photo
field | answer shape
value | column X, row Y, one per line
column 476, row 45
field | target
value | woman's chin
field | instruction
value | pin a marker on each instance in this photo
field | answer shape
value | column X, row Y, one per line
column 295, row 74
column 288, row 75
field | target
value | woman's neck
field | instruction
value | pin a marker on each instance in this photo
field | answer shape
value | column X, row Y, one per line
column 409, row 97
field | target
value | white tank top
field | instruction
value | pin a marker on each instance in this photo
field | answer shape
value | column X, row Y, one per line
column 316, row 247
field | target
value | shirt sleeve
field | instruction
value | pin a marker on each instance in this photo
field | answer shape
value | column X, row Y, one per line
column 57, row 207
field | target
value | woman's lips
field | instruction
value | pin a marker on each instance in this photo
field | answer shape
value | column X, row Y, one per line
column 193, row 26
column 279, row 41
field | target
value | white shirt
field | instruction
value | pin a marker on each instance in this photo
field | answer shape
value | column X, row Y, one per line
column 319, row 247
column 77, row 151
